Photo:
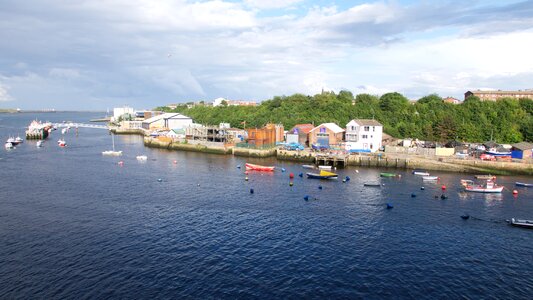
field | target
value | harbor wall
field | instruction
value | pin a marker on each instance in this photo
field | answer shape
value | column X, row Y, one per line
column 167, row 143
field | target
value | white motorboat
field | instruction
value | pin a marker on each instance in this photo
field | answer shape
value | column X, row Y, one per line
column 522, row 223
column 19, row 140
column 112, row 152
column 142, row 158
column 9, row 145
column 489, row 187
column 420, row 173
column 308, row 166
column 430, row 178
column 324, row 167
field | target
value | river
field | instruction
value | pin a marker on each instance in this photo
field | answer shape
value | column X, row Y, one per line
column 76, row 224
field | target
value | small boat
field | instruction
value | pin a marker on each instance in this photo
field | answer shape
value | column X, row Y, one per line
column 9, row 145
column 12, row 141
column 112, row 152
column 308, row 166
column 142, row 158
column 324, row 167
column 523, row 184
column 420, row 173
column 430, row 178
column 465, row 216
column 322, row 175
column 39, row 143
column 252, row 167
column 18, row 140
column 489, row 187
column 485, row 176
column 521, row 223
column 387, row 174
column 498, row 153
column 61, row 143
column 465, row 182
column 372, row 184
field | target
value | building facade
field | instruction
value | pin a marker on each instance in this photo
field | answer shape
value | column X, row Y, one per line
column 326, row 135
column 269, row 135
column 299, row 134
column 363, row 135
column 167, row 121
column 495, row 95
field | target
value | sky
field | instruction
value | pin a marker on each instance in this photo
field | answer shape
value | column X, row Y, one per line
column 87, row 55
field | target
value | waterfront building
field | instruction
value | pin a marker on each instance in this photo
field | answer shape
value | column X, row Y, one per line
column 167, row 121
column 326, row 135
column 266, row 136
column 299, row 134
column 522, row 150
column 495, row 95
column 451, row 100
column 122, row 113
column 363, row 135
column 131, row 124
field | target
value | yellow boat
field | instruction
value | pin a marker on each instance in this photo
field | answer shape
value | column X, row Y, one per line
column 322, row 175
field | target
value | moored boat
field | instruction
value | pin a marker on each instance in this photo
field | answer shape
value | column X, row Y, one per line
column 430, row 178
column 308, row 166
column 420, row 172
column 384, row 174
column 523, row 184
column 377, row 184
column 61, row 143
column 142, row 158
column 322, row 175
column 484, row 176
column 498, row 153
column 252, row 167
column 9, row 145
column 112, row 152
column 488, row 187
column 324, row 167
column 522, row 223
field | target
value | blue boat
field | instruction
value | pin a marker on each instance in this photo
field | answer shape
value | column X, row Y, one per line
column 523, row 184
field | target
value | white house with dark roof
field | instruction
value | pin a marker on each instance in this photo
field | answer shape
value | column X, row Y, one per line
column 363, row 135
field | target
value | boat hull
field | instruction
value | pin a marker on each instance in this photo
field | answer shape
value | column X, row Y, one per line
column 430, row 178
column 318, row 176
column 252, row 167
column 484, row 190
column 523, row 184
column 522, row 223
column 387, row 175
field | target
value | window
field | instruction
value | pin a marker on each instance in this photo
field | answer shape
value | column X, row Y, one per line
column 367, row 128
column 373, row 128
column 365, row 136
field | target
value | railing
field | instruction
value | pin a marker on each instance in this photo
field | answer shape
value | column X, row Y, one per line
column 79, row 125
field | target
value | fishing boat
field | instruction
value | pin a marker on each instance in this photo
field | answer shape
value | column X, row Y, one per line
column 324, row 167
column 488, row 187
column 322, row 175
column 112, row 152
column 521, row 223
column 252, row 167
column 485, row 176
column 523, row 184
column 308, row 166
column 61, row 143
column 372, row 184
column 387, row 174
column 420, row 173
column 430, row 178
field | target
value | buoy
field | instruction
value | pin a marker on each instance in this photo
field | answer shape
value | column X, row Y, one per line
column 465, row 217
column 290, row 183
column 356, row 171
column 436, row 197
column 306, row 197
column 399, row 175
column 319, row 187
column 282, row 169
column 245, row 172
column 175, row 162
column 251, row 191
column 198, row 184
column 291, row 175
column 413, row 195
column 515, row 192
column 344, row 181
column 443, row 197
column 422, row 188
column 159, row 179
column 120, row 163
column 301, row 174
column 238, row 166
column 246, row 178
column 443, row 187
column 389, row 206
column 347, row 178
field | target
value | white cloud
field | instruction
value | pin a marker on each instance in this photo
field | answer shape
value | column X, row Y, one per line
column 4, row 95
column 271, row 4
column 65, row 73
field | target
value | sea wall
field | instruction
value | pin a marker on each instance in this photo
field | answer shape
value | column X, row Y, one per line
column 167, row 143
column 246, row 152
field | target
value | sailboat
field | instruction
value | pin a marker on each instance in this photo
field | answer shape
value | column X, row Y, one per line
column 112, row 152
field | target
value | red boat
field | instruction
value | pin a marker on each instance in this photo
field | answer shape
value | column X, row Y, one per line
column 252, row 167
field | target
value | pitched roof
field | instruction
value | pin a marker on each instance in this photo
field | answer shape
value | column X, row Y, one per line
column 523, row 146
column 331, row 126
column 366, row 122
column 303, row 128
column 166, row 116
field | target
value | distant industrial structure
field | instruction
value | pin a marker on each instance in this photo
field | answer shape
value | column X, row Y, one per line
column 495, row 95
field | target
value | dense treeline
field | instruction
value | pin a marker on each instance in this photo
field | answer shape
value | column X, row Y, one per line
column 506, row 120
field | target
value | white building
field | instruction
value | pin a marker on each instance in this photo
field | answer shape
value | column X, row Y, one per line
column 121, row 111
column 218, row 101
column 167, row 121
column 363, row 135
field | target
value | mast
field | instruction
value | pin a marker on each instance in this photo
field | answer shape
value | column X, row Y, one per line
column 113, row 139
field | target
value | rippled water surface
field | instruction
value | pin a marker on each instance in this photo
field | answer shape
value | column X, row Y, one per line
column 76, row 224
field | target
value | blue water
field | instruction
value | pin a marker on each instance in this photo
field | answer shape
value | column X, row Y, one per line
column 75, row 224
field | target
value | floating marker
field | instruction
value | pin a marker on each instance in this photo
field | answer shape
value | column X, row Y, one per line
column 389, row 206
column 422, row 188
column 515, row 192
column 245, row 172
column 301, row 174
column 175, row 162
column 306, row 197
column 465, row 217
column 319, row 187
column 251, row 191
column 356, row 171
column 238, row 166
column 282, row 169
column 347, row 178
column 291, row 175
column 443, row 197
column 198, row 184
column 159, row 179
column 344, row 181
column 413, row 195
column 290, row 183
column 120, row 163
column 246, row 178
column 443, row 187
